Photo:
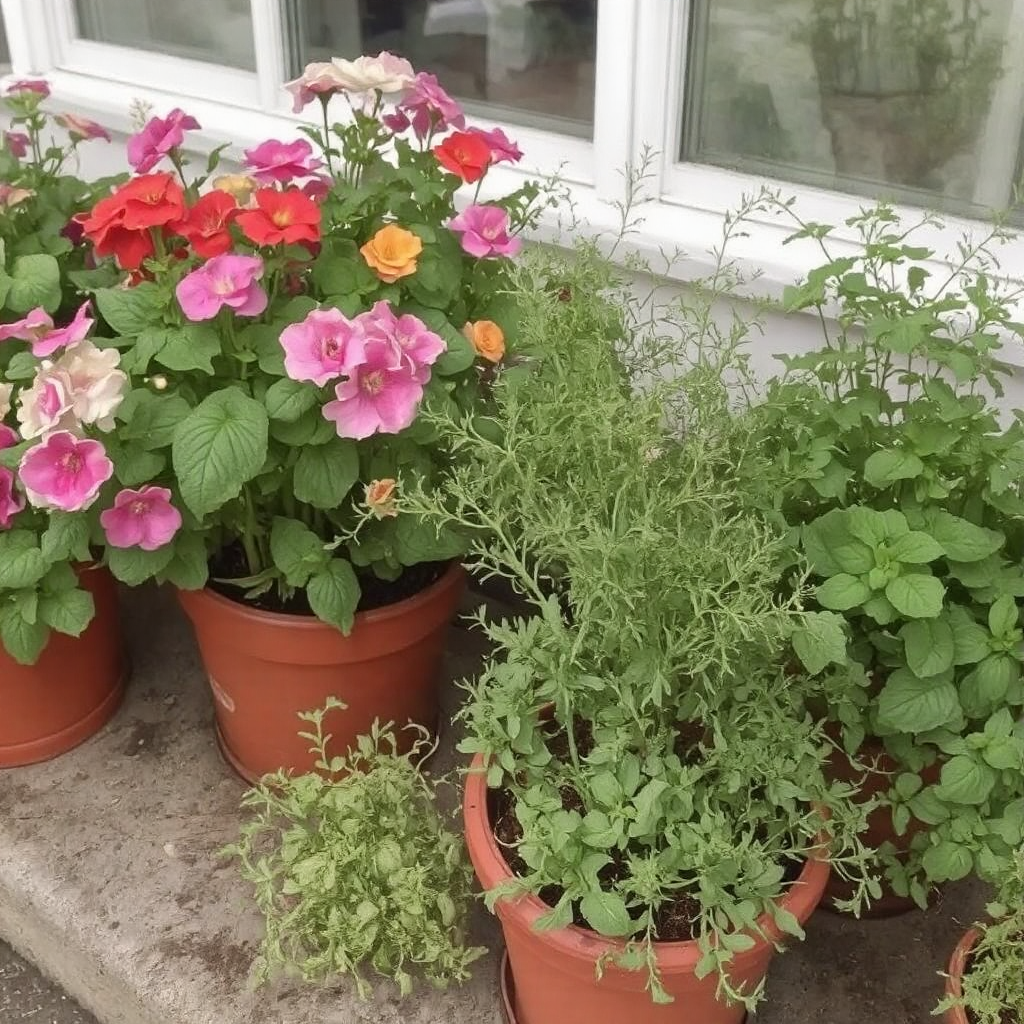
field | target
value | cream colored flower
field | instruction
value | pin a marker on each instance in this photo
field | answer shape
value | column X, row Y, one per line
column 380, row 498
column 6, row 390
column 385, row 72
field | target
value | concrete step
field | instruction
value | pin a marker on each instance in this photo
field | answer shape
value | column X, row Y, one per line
column 26, row 997
column 110, row 884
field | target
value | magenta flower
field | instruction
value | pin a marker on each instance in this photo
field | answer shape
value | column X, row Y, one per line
column 8, row 436
column 324, row 346
column 381, row 395
column 503, row 149
column 484, row 231
column 72, row 334
column 82, row 127
column 226, row 280
column 11, row 503
column 143, row 518
column 64, row 472
column 413, row 341
column 36, row 85
column 160, row 135
column 272, row 161
column 318, row 188
column 427, row 107
column 17, row 143
column 34, row 326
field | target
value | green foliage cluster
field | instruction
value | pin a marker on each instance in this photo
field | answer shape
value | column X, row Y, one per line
column 354, row 869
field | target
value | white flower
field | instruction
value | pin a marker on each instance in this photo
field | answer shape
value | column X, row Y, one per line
column 5, row 399
column 97, row 386
column 385, row 72
column 46, row 406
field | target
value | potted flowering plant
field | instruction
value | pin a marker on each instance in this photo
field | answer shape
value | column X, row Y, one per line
column 294, row 321
column 903, row 487
column 60, row 668
column 647, row 809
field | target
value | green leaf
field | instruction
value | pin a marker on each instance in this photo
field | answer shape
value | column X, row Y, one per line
column 911, row 705
column 334, row 594
column 866, row 525
column 21, row 562
column 416, row 540
column 296, row 550
column 1004, row 754
column 820, row 641
column 324, row 475
column 606, row 913
column 152, row 419
column 132, row 463
column 23, row 640
column 67, row 611
column 129, row 311
column 970, row 638
column 288, row 399
column 916, row 548
column 1003, row 617
column 192, row 347
column 915, row 595
column 134, row 566
column 188, row 567
column 218, row 448
column 966, row 780
column 886, row 467
column 34, row 281
column 947, row 862
column 960, row 540
column 928, row 645
column 986, row 687
column 66, row 537
column 843, row 592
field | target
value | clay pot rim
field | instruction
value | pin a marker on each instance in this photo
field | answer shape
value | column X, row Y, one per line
column 582, row 943
column 957, row 967
column 243, row 610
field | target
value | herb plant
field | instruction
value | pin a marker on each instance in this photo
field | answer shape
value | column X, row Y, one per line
column 354, row 869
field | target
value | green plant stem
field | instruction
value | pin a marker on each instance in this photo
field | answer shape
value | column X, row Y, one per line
column 249, row 539
column 327, row 135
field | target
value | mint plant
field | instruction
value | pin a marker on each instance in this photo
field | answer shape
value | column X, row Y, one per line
column 354, row 869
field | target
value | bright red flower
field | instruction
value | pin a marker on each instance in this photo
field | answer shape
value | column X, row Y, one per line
column 206, row 224
column 464, row 154
column 151, row 200
column 281, row 217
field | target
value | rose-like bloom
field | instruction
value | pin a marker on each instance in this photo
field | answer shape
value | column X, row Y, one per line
column 385, row 72
column 380, row 498
column 426, row 108
column 143, row 518
column 159, row 136
column 38, row 86
column 11, row 503
column 484, row 231
column 64, row 472
column 8, row 436
column 206, row 224
column 321, row 79
column 465, row 155
column 487, row 339
column 324, row 346
column 82, row 127
column 272, row 161
column 318, row 188
column 96, row 385
column 392, row 253
column 6, row 390
column 241, row 186
column 37, row 327
column 119, row 224
column 412, row 340
column 281, row 218
column 381, row 395
column 46, row 406
column 12, row 195
column 228, row 280
column 17, row 143
column 503, row 149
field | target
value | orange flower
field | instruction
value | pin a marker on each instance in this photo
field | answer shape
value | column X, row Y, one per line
column 392, row 253
column 380, row 498
column 487, row 338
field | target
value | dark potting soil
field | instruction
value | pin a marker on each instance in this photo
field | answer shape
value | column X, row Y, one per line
column 230, row 564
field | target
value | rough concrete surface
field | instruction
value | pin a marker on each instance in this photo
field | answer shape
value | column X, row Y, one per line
column 109, row 882
column 26, row 997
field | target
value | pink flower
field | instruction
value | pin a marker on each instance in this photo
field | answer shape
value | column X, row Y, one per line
column 143, row 518
column 318, row 188
column 226, row 280
column 484, row 231
column 8, row 436
column 272, row 161
column 47, row 405
column 11, row 503
column 34, row 326
column 324, row 346
column 160, row 135
column 73, row 333
column 64, row 472
column 17, row 143
column 36, row 85
column 380, row 396
column 503, row 149
column 414, row 343
column 427, row 108
column 321, row 79
column 82, row 127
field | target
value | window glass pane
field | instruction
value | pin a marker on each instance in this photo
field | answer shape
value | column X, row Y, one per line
column 530, row 62
column 216, row 31
column 919, row 100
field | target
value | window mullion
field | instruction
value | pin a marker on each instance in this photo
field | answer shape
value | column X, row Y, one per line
column 32, row 34
column 271, row 64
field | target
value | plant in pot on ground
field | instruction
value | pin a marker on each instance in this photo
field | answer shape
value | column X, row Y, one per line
column 60, row 659
column 646, row 809
column 902, row 485
column 294, row 322
column 354, row 869
column 985, row 984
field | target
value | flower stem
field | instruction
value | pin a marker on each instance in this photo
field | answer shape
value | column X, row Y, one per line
column 327, row 136
column 252, row 552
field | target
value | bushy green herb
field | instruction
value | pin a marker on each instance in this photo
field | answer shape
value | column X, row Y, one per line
column 354, row 870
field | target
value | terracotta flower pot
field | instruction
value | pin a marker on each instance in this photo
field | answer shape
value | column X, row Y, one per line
column 954, row 982
column 264, row 668
column 71, row 692
column 553, row 972
column 880, row 829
